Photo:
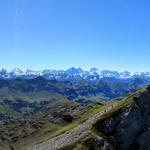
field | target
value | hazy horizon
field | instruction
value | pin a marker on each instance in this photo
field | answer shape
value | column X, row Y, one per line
column 65, row 69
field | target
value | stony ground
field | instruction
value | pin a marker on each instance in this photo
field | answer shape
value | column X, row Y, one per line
column 70, row 136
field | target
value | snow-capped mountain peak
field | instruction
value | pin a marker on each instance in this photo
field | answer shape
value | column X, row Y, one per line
column 74, row 70
column 16, row 71
column 31, row 72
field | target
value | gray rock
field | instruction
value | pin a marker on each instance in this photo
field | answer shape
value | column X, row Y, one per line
column 99, row 142
column 131, row 127
column 143, row 141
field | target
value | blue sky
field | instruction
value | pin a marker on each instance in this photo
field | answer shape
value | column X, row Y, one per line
column 58, row 34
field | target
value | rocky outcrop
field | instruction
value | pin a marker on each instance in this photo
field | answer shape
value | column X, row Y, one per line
column 93, row 143
column 129, row 129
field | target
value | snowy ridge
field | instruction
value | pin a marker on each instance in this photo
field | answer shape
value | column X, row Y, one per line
column 72, row 74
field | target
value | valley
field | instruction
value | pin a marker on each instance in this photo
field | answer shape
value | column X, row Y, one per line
column 74, row 75
column 39, row 114
column 21, row 97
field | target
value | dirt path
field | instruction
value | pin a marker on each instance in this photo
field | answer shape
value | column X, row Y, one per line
column 70, row 136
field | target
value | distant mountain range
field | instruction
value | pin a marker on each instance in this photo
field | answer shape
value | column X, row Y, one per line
column 25, row 96
column 73, row 74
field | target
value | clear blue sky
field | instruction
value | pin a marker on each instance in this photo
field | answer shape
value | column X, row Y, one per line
column 58, row 34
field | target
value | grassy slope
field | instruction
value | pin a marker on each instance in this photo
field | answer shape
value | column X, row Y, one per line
column 98, row 126
column 50, row 130
column 79, row 118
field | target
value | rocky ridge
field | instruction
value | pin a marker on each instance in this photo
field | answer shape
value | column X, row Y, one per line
column 124, row 127
column 72, row 136
column 129, row 127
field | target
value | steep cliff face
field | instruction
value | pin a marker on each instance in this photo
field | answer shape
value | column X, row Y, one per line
column 129, row 127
